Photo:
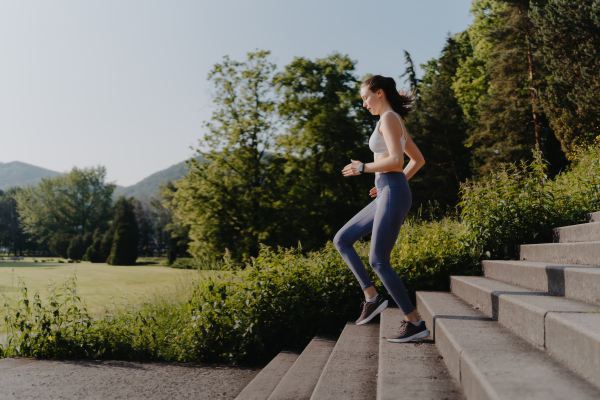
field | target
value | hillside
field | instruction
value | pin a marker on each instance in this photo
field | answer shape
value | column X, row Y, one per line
column 18, row 173
column 148, row 187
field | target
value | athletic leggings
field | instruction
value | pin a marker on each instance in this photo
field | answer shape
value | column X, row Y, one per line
column 383, row 217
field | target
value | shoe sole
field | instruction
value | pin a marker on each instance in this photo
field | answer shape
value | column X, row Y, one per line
column 379, row 309
column 419, row 335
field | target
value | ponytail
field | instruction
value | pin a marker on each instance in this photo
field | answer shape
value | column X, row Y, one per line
column 401, row 102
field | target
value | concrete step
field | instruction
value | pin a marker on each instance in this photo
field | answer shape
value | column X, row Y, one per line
column 351, row 371
column 300, row 380
column 593, row 217
column 572, row 281
column 585, row 253
column 539, row 316
column 589, row 232
column 413, row 370
column 492, row 362
column 263, row 384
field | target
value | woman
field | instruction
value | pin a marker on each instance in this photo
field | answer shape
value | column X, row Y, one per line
column 384, row 216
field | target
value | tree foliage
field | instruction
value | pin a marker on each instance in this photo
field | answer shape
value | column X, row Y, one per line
column 437, row 125
column 123, row 247
column 231, row 200
column 326, row 127
column 569, row 36
column 77, row 202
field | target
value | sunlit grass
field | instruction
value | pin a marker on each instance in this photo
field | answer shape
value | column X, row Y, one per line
column 99, row 285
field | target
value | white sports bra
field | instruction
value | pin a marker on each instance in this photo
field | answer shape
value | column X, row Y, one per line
column 377, row 142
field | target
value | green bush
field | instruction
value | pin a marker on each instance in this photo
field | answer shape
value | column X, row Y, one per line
column 77, row 248
column 519, row 204
column 124, row 249
column 94, row 253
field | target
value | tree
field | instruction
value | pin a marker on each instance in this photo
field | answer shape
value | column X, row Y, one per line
column 569, row 37
column 512, row 121
column 78, row 246
column 438, row 127
column 124, row 250
column 94, row 252
column 162, row 217
column 125, row 220
column 59, row 244
column 228, row 200
column 326, row 127
column 411, row 74
column 145, row 222
column 12, row 234
column 74, row 203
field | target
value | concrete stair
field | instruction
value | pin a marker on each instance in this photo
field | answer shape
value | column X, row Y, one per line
column 360, row 365
column 527, row 329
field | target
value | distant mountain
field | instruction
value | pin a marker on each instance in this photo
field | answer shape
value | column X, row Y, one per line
column 148, row 187
column 18, row 173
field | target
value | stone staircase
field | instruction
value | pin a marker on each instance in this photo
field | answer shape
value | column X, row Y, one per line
column 527, row 329
column 361, row 364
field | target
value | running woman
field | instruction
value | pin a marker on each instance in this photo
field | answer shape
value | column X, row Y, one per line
column 384, row 216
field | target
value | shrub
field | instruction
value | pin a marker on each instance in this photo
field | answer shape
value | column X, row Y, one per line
column 94, row 252
column 124, row 249
column 76, row 249
column 519, row 204
column 59, row 244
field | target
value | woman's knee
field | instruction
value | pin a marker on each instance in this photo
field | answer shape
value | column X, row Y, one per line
column 338, row 240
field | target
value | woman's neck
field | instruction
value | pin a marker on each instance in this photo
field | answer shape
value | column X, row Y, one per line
column 385, row 109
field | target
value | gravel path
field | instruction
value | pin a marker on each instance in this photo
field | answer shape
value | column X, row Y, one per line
column 24, row 378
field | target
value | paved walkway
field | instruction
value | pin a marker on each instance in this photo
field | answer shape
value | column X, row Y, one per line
column 26, row 378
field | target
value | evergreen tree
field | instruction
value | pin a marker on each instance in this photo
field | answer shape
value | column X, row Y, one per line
column 76, row 249
column 512, row 121
column 124, row 250
column 94, row 252
column 59, row 244
column 438, row 128
column 124, row 214
column 12, row 231
column 569, row 34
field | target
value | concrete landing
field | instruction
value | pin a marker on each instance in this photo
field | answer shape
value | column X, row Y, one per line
column 25, row 378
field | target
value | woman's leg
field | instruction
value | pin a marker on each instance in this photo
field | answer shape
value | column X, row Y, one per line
column 393, row 206
column 359, row 226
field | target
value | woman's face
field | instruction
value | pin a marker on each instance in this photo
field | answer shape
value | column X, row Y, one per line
column 371, row 101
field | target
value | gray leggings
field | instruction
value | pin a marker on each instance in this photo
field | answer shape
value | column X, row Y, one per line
column 383, row 217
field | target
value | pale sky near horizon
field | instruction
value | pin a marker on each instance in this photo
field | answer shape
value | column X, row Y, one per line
column 122, row 83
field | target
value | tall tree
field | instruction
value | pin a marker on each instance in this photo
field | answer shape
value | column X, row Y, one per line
column 326, row 127
column 77, row 202
column 438, row 127
column 569, row 34
column 123, row 234
column 12, row 235
column 512, row 120
column 229, row 200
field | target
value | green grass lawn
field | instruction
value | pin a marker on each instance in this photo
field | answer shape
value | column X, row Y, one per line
column 96, row 283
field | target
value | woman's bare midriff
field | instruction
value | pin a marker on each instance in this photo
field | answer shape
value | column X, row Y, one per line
column 381, row 157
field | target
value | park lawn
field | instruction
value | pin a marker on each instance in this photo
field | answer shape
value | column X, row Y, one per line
column 96, row 283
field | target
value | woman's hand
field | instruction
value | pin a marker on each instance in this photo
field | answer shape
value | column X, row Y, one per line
column 352, row 168
column 373, row 192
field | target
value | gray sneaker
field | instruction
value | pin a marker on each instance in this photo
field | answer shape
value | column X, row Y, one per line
column 370, row 310
column 408, row 331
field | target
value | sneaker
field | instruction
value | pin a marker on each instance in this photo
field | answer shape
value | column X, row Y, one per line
column 408, row 331
column 370, row 310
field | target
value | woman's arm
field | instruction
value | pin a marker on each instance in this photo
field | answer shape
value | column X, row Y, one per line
column 391, row 129
column 416, row 159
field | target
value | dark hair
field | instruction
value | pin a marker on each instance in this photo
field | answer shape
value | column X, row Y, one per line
column 401, row 102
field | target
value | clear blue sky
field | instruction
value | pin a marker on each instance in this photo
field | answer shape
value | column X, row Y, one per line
column 122, row 83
